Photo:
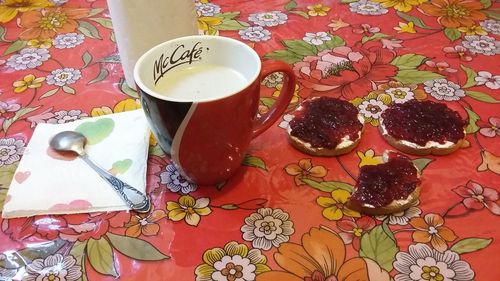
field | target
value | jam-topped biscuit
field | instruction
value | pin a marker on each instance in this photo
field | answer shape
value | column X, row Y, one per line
column 422, row 127
column 325, row 126
column 390, row 187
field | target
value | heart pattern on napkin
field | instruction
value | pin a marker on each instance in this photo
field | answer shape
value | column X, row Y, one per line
column 96, row 131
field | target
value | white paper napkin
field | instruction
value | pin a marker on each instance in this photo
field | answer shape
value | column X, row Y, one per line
column 45, row 183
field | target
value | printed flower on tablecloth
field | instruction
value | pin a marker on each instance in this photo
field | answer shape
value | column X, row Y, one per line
column 367, row 8
column 368, row 158
column 431, row 229
column 423, row 263
column 400, row 5
column 8, row 109
column 489, row 162
column 405, row 27
column 175, row 181
column 482, row 45
column 458, row 52
column 272, row 18
column 7, row 274
column 10, row 8
column 304, row 169
column 40, row 43
column 441, row 66
column 233, row 262
column 365, row 29
column 391, row 44
column 273, row 79
column 337, row 24
column 207, row 9
column 321, row 256
column 286, row 120
column 352, row 70
column 29, row 81
column 491, row 25
column 493, row 128
column 207, row 24
column 472, row 30
column 317, row 38
column 442, row 89
column 267, row 228
column 189, row 209
column 75, row 227
column 318, row 10
column 11, row 150
column 489, row 80
column 63, row 76
column 477, row 197
column 295, row 97
column 353, row 230
column 48, row 22
column 63, row 116
column 28, row 58
column 399, row 92
column 53, row 268
column 372, row 106
column 454, row 13
column 145, row 224
column 255, row 34
column 68, row 40
column 334, row 206
column 402, row 217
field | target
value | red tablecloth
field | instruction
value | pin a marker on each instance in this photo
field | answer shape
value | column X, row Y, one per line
column 282, row 217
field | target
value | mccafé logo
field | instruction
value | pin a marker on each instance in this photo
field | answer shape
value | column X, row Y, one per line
column 181, row 55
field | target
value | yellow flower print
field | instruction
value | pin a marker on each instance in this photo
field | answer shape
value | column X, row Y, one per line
column 473, row 30
column 368, row 158
column 188, row 209
column 305, row 170
column 29, row 81
column 207, row 24
column 406, row 27
column 10, row 8
column 295, row 97
column 233, row 262
column 40, row 43
column 334, row 206
column 401, row 5
column 337, row 24
column 122, row 106
column 318, row 10
column 372, row 106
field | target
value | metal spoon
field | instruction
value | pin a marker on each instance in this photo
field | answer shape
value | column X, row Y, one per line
column 74, row 141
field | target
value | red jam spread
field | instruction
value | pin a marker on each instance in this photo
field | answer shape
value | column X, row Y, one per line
column 420, row 122
column 324, row 121
column 379, row 185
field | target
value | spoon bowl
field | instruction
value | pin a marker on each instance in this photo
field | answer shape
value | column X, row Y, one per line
column 74, row 141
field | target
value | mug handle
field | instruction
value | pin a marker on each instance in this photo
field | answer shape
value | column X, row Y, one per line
column 286, row 94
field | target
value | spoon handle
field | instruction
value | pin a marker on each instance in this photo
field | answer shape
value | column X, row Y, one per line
column 135, row 199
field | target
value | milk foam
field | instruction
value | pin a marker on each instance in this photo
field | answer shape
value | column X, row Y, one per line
column 200, row 83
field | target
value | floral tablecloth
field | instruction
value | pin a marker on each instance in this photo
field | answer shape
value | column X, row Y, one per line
column 282, row 217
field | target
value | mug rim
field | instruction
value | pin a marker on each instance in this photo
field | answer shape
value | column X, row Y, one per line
column 151, row 92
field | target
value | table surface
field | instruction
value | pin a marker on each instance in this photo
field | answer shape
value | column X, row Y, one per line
column 282, row 217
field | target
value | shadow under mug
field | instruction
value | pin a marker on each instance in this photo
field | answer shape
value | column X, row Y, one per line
column 208, row 133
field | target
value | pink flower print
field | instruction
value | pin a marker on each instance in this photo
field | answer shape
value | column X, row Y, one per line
column 439, row 66
column 493, row 129
column 352, row 230
column 8, row 109
column 365, row 29
column 477, row 197
column 458, row 52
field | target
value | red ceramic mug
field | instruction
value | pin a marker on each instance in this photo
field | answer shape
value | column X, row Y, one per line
column 201, row 95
